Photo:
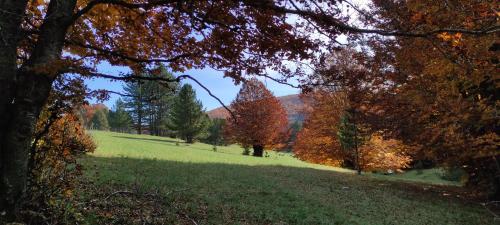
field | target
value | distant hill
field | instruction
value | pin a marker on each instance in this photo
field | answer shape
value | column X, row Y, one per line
column 292, row 104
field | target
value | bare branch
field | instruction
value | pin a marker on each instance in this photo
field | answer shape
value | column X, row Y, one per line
column 124, row 4
column 127, row 57
column 329, row 20
column 130, row 78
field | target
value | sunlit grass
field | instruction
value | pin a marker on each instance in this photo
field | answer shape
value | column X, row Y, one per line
column 187, row 183
column 163, row 148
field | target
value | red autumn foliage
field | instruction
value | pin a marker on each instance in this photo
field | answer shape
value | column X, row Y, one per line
column 260, row 120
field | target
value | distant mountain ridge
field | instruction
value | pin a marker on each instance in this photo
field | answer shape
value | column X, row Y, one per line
column 292, row 104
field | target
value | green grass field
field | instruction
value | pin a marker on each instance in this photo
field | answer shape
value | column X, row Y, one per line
column 141, row 179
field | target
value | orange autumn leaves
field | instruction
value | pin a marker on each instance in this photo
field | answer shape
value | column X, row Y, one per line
column 378, row 154
column 260, row 119
column 318, row 141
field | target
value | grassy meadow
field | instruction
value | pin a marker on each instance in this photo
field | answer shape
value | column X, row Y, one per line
column 141, row 179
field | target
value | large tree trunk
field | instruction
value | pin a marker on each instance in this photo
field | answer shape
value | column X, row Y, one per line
column 11, row 12
column 28, row 96
column 30, row 99
column 258, row 150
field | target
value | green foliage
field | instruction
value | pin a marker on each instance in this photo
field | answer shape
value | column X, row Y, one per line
column 150, row 102
column 348, row 133
column 294, row 130
column 159, row 101
column 215, row 132
column 453, row 174
column 119, row 119
column 134, row 102
column 188, row 118
column 100, row 120
column 246, row 150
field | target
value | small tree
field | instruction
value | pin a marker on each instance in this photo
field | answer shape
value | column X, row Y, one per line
column 188, row 118
column 261, row 120
column 215, row 131
column 294, row 131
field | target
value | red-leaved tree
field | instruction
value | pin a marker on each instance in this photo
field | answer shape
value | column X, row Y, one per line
column 259, row 120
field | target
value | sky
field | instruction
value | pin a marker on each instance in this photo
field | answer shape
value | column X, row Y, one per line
column 221, row 87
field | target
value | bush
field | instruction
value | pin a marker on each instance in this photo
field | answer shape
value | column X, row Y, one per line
column 246, row 151
column 54, row 170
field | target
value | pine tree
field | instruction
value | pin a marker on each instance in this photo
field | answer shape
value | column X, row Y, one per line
column 159, row 100
column 134, row 102
column 215, row 131
column 349, row 137
column 119, row 119
column 188, row 118
column 150, row 102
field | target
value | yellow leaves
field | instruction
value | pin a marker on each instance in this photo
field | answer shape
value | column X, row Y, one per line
column 68, row 193
column 383, row 154
column 454, row 39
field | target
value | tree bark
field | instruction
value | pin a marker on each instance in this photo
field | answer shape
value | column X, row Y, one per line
column 258, row 150
column 17, row 141
column 11, row 13
column 189, row 139
column 29, row 94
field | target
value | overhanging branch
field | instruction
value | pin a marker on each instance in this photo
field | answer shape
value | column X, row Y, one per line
column 131, row 78
column 128, row 57
column 325, row 19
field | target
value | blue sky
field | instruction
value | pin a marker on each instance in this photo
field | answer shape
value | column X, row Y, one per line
column 221, row 87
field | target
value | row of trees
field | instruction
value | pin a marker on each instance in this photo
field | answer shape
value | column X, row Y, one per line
column 156, row 108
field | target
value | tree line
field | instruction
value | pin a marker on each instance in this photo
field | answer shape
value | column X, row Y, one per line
column 155, row 108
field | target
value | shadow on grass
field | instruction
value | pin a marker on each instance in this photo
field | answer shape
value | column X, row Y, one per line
column 146, row 139
column 217, row 193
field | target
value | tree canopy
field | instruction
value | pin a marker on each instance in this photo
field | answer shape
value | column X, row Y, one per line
column 260, row 119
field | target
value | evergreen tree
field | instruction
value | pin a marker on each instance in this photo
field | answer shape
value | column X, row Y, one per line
column 350, row 138
column 294, row 130
column 134, row 102
column 159, row 100
column 100, row 120
column 119, row 119
column 215, row 131
column 150, row 102
column 188, row 118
